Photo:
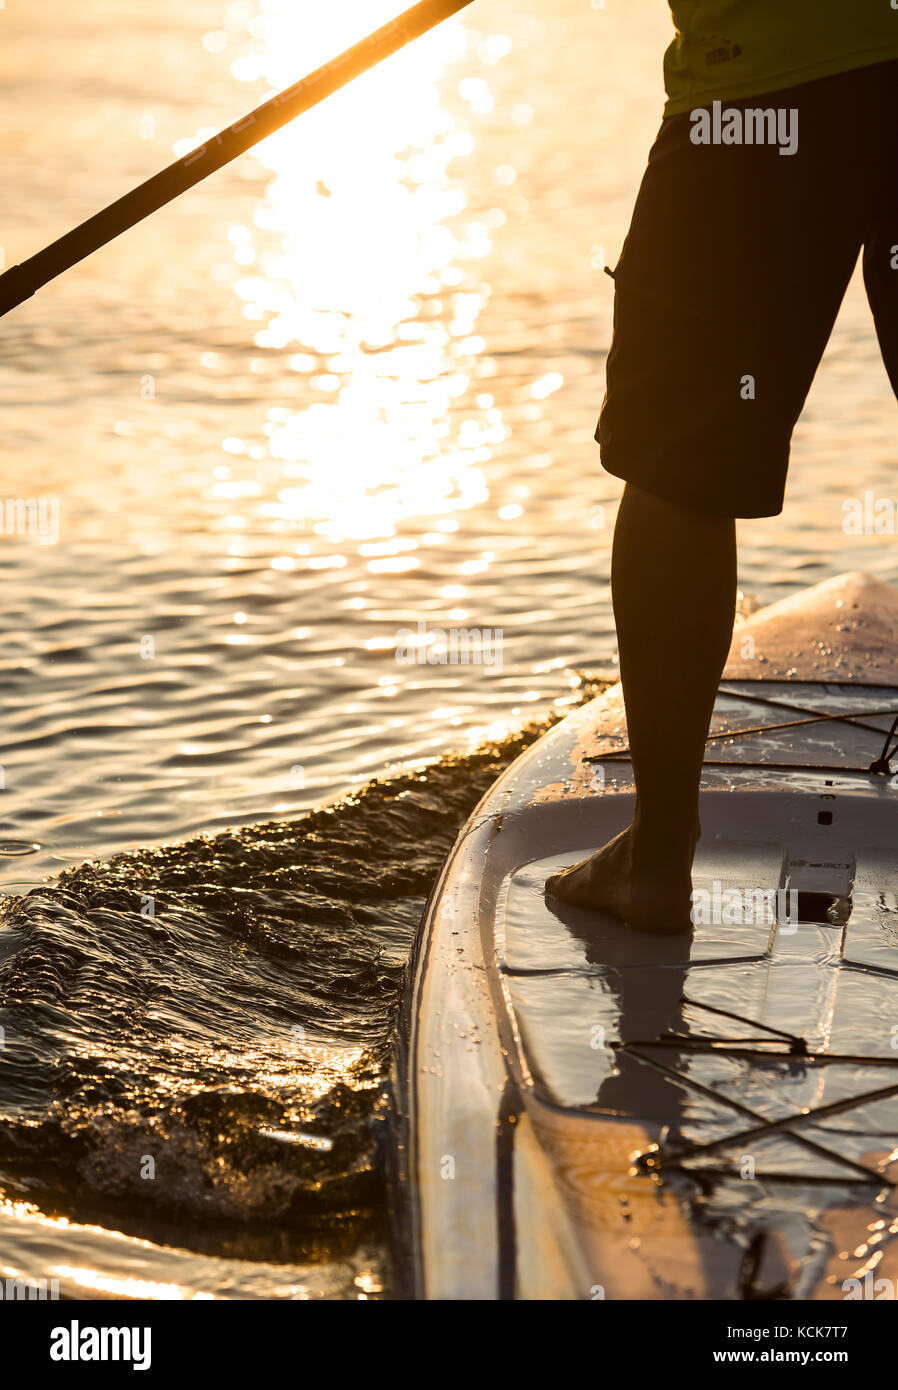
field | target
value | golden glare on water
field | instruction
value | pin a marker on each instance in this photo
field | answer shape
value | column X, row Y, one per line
column 361, row 267
column 125, row 1287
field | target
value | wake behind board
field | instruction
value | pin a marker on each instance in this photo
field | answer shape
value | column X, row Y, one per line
column 589, row 1111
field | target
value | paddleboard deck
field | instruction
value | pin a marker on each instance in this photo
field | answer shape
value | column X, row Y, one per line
column 585, row 1111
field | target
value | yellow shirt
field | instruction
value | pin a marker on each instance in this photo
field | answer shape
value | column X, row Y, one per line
column 737, row 48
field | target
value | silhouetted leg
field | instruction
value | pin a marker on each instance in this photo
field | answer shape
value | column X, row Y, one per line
column 673, row 581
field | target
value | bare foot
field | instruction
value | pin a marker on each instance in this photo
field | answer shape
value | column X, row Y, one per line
column 652, row 896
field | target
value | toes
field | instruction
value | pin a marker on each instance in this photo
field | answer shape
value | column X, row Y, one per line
column 569, row 887
column 556, row 885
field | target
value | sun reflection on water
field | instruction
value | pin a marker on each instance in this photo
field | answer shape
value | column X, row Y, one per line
column 361, row 270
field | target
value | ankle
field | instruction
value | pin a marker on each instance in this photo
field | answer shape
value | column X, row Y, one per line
column 668, row 839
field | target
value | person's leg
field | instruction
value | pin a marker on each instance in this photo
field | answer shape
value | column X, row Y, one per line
column 881, row 232
column 726, row 291
column 673, row 582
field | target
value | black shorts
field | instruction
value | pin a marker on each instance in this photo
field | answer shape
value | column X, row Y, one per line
column 729, row 283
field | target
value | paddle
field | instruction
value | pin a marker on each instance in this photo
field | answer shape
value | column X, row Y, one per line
column 21, row 281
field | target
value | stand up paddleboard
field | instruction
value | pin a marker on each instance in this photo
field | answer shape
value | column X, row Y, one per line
column 588, row 1111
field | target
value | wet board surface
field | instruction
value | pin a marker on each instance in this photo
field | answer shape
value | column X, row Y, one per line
column 580, row 984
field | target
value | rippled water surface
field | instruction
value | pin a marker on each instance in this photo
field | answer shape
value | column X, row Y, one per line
column 342, row 391
column 196, row 1041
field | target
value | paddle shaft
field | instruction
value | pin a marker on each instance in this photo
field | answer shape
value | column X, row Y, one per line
column 21, row 281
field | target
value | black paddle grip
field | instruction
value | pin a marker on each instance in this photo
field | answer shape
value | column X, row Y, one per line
column 15, row 288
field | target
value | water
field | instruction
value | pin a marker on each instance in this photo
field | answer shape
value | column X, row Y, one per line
column 196, row 1039
column 343, row 390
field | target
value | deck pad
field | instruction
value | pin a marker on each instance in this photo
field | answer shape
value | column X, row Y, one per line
column 580, row 984
column 535, row 934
